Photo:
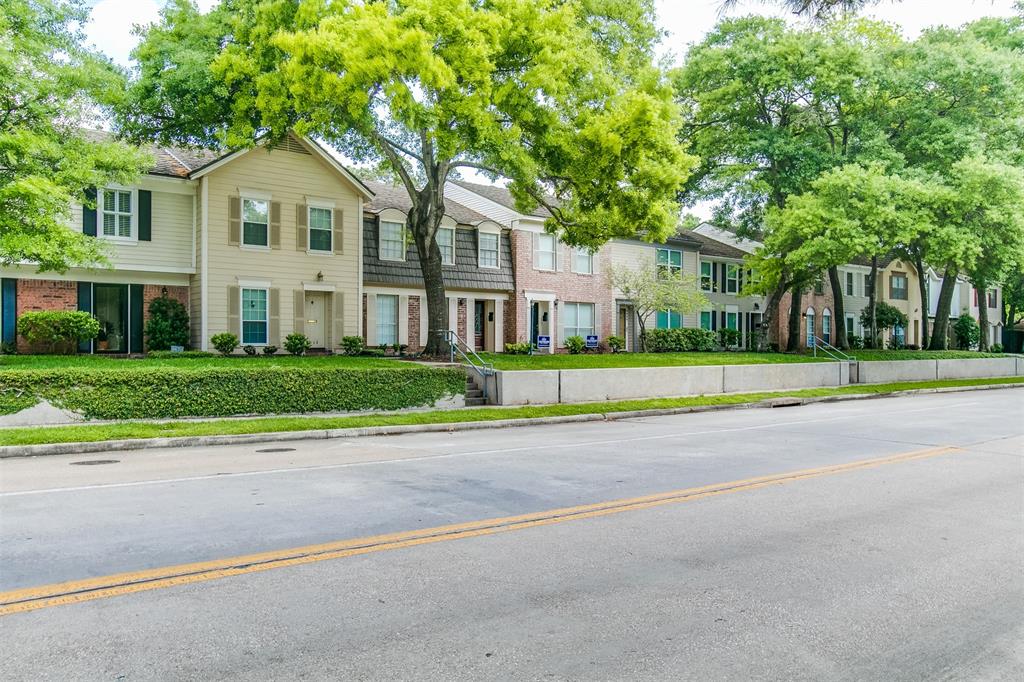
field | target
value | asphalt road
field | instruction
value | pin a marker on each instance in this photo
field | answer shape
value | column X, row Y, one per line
column 904, row 568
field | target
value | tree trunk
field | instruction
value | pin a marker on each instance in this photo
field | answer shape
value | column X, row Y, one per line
column 982, row 289
column 422, row 222
column 769, row 318
column 643, row 332
column 940, row 331
column 872, row 298
column 923, row 285
column 793, row 342
column 839, row 314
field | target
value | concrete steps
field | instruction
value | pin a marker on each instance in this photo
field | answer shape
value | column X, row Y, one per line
column 474, row 395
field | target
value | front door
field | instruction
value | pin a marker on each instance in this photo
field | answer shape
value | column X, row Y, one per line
column 315, row 323
column 534, row 323
column 479, row 319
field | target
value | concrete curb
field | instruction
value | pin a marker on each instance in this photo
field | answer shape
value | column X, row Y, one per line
column 326, row 434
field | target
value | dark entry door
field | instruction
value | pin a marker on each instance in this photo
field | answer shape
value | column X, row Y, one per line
column 479, row 318
column 534, row 323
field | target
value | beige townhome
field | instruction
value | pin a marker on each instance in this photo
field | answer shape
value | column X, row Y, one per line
column 259, row 242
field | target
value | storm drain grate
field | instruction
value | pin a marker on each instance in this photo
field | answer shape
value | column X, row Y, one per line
column 277, row 450
column 93, row 462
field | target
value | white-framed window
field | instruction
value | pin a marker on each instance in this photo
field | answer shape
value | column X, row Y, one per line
column 732, row 278
column 255, row 316
column 705, row 319
column 577, row 320
column 545, row 251
column 849, row 284
column 670, row 263
column 487, row 247
column 446, row 242
column 732, row 317
column 826, row 326
column 850, row 325
column 255, row 222
column 809, row 315
column 706, row 279
column 387, row 319
column 898, row 289
column 117, row 213
column 669, row 319
column 899, row 336
column 321, row 229
column 392, row 240
column 867, row 284
column 583, row 261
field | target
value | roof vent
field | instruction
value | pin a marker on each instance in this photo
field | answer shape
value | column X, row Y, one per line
column 290, row 144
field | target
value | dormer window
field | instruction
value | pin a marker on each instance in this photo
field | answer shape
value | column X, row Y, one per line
column 446, row 242
column 116, row 213
column 392, row 241
column 487, row 246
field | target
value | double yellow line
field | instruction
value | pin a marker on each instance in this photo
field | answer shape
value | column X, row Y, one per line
column 75, row 591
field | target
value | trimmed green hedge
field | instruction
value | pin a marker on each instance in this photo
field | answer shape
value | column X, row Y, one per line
column 680, row 340
column 172, row 392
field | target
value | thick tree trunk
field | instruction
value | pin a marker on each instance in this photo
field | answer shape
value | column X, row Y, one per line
column 769, row 319
column 940, row 330
column 982, row 289
column 422, row 223
column 839, row 314
column 793, row 342
column 872, row 299
column 923, row 286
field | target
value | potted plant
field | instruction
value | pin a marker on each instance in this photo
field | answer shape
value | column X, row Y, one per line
column 102, row 340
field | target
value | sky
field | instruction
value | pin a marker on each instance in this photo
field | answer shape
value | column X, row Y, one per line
column 685, row 21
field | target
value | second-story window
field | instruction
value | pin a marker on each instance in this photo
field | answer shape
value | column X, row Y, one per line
column 706, row 278
column 487, row 245
column 992, row 298
column 819, row 286
column 544, row 252
column 670, row 263
column 849, row 284
column 583, row 261
column 898, row 286
column 320, row 229
column 446, row 242
column 392, row 241
column 117, row 213
column 867, row 284
column 255, row 222
column 732, row 278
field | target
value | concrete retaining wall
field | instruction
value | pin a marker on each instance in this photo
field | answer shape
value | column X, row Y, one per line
column 588, row 385
column 751, row 378
column 972, row 369
column 896, row 370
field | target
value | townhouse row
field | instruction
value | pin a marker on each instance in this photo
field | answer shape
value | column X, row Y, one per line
column 282, row 238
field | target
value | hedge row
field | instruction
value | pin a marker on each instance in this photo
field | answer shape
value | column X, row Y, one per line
column 680, row 340
column 172, row 392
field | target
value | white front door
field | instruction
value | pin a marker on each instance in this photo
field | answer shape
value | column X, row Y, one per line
column 315, row 323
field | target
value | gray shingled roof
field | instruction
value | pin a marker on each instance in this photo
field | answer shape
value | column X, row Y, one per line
column 713, row 247
column 499, row 195
column 395, row 196
column 173, row 161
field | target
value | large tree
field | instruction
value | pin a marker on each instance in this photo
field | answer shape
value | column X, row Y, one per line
column 50, row 88
column 820, row 10
column 562, row 99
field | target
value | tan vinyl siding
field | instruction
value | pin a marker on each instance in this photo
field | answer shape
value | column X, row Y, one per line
column 289, row 178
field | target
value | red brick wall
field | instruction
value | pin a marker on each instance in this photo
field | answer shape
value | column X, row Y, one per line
column 461, row 315
column 414, row 324
column 568, row 287
column 819, row 302
column 44, row 294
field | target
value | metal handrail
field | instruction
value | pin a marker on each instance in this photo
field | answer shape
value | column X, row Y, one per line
column 457, row 345
column 830, row 350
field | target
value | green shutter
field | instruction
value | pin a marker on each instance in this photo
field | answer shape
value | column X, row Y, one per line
column 85, row 305
column 135, row 315
column 145, row 215
column 89, row 213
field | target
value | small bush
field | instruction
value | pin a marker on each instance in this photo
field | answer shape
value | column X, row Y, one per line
column 225, row 342
column 680, row 340
column 167, row 325
column 855, row 342
column 373, row 352
column 523, row 348
column 912, row 346
column 729, row 338
column 8, row 348
column 575, row 344
column 184, row 355
column 296, row 343
column 996, row 348
column 59, row 330
column 616, row 343
column 352, row 345
column 967, row 332
column 249, row 350
column 269, row 350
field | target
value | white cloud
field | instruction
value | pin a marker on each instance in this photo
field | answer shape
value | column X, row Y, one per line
column 111, row 23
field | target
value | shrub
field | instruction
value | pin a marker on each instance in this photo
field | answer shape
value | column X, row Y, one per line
column 680, row 340
column 616, row 343
column 269, row 350
column 996, row 348
column 523, row 348
column 912, row 346
column 249, row 350
column 967, row 332
column 352, row 345
column 856, row 342
column 296, row 343
column 184, row 355
column 246, row 388
column 60, row 330
column 167, row 325
column 729, row 338
column 8, row 348
column 575, row 344
column 225, row 342
column 372, row 352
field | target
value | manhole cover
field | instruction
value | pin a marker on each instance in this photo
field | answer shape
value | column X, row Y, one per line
column 92, row 462
column 277, row 450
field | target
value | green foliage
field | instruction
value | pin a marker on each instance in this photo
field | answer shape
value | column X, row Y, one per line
column 997, row 348
column 296, row 343
column 855, row 342
column 225, row 342
column 651, row 290
column 8, row 348
column 575, row 344
column 60, row 330
column 351, row 345
column 729, row 338
column 12, row 401
column 50, row 88
column 183, row 355
column 167, row 325
column 248, row 389
column 269, row 350
column 680, row 340
column 522, row 348
column 249, row 350
column 886, row 317
column 967, row 332
column 616, row 343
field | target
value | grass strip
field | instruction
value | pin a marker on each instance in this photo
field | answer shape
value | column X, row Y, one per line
column 133, row 430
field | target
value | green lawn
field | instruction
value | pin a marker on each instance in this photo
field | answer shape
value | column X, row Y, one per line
column 100, row 362
column 606, row 360
column 883, row 355
column 102, row 432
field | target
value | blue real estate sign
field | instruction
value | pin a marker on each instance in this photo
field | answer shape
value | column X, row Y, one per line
column 543, row 342
column 591, row 341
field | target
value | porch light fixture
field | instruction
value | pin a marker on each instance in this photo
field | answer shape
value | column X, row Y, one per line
column 320, row 276
column 163, row 291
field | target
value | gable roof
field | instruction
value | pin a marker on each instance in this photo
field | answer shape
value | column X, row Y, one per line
column 499, row 195
column 396, row 196
column 710, row 246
